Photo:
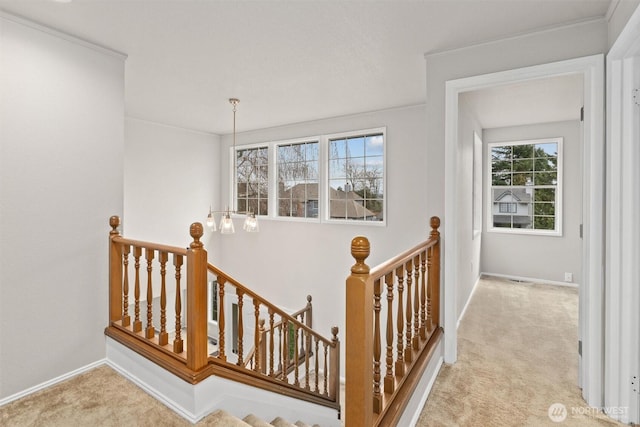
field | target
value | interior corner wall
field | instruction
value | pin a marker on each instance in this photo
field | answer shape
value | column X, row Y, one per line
column 619, row 18
column 535, row 256
column 61, row 164
column 171, row 177
column 469, row 244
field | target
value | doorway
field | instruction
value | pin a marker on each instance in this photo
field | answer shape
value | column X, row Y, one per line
column 591, row 291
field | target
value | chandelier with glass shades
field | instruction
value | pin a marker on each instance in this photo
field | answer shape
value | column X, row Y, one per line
column 226, row 223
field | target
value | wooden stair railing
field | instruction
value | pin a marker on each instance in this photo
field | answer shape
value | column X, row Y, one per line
column 147, row 314
column 290, row 353
column 389, row 345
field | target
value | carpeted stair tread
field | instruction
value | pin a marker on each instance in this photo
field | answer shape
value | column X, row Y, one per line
column 301, row 424
column 281, row 422
column 255, row 421
column 223, row 418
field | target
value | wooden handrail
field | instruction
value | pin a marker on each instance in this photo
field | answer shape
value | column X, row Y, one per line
column 387, row 356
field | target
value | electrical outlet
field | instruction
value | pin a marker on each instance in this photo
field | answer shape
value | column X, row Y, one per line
column 568, row 277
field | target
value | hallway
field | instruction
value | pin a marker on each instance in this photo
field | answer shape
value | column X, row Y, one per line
column 517, row 356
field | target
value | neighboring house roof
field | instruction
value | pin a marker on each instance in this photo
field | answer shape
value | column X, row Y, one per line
column 343, row 203
column 518, row 194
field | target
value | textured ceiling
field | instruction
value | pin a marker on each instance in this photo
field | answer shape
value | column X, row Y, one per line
column 287, row 61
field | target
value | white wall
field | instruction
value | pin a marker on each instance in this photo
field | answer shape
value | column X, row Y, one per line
column 61, row 152
column 468, row 244
column 540, row 257
column 287, row 260
column 171, row 176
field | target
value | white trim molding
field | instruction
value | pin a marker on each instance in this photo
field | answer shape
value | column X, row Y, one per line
column 622, row 336
column 52, row 382
column 591, row 290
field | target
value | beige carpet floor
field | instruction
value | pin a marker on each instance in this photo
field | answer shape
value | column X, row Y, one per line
column 516, row 357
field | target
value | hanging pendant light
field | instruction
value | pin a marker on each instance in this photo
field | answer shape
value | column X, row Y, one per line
column 226, row 223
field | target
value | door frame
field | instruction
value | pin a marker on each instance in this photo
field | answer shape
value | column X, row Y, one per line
column 591, row 322
column 622, row 336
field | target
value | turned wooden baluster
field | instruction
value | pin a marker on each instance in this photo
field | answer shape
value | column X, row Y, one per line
column 326, row 371
column 307, row 353
column 126, row 319
column 408, row 354
column 150, row 331
column 377, row 397
column 400, row 324
column 137, row 323
column 256, row 335
column 177, row 341
column 285, row 349
column 317, row 355
column 221, row 320
column 271, row 343
column 435, row 234
column 430, row 323
column 263, row 348
column 163, row 337
column 389, row 382
column 416, row 302
column 240, row 327
column 296, row 354
column 425, row 326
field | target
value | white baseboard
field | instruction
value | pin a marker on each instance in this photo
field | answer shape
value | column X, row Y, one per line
column 464, row 309
column 52, row 382
column 532, row 280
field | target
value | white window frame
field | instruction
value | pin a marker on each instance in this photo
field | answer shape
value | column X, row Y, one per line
column 325, row 196
column 233, row 186
column 273, row 182
column 557, row 232
column 323, row 182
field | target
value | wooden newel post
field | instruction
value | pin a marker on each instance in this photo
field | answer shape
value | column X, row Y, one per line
column 359, row 339
column 334, row 377
column 435, row 270
column 197, row 347
column 115, row 272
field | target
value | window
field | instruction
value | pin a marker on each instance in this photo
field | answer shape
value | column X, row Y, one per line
column 356, row 177
column 252, row 179
column 338, row 178
column 298, row 179
column 525, row 180
column 508, row 207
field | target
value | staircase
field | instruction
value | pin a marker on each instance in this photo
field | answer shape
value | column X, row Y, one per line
column 222, row 418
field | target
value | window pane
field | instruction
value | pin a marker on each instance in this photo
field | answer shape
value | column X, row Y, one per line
column 545, row 223
column 297, row 177
column 544, row 209
column 523, row 165
column 338, row 149
column 524, row 151
column 521, row 178
column 546, row 150
column 374, row 145
column 356, row 182
column 501, row 153
column 545, row 178
column 545, row 194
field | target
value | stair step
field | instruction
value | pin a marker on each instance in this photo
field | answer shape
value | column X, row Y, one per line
column 301, row 424
column 223, row 418
column 254, row 421
column 281, row 422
